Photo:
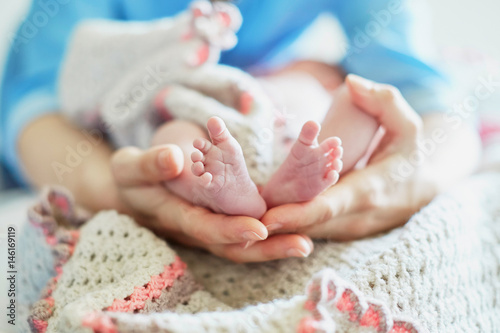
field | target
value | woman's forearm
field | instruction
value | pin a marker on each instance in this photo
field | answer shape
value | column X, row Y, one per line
column 54, row 152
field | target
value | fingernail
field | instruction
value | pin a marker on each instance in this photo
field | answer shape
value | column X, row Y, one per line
column 360, row 83
column 252, row 236
column 274, row 226
column 164, row 158
column 305, row 251
column 310, row 242
column 248, row 244
column 296, row 253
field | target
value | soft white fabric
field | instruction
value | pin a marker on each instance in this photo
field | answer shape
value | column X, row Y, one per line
column 113, row 72
column 442, row 270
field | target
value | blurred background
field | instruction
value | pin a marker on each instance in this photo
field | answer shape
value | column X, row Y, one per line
column 462, row 30
column 455, row 23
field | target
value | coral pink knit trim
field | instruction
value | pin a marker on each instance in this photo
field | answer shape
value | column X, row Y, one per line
column 152, row 290
column 137, row 300
column 40, row 325
column 327, row 293
column 44, row 220
column 99, row 323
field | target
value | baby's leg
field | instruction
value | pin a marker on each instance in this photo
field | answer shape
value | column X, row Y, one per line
column 354, row 127
column 309, row 169
column 216, row 175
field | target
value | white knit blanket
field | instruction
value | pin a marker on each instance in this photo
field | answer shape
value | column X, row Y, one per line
column 439, row 273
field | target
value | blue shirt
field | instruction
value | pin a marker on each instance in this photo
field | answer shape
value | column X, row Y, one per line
column 380, row 35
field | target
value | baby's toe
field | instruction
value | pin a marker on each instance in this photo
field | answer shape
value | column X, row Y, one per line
column 202, row 145
column 335, row 165
column 198, row 169
column 309, row 133
column 197, row 156
column 206, row 179
column 330, row 143
column 217, row 130
column 331, row 177
column 337, row 152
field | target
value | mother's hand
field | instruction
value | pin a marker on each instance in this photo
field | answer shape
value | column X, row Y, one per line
column 139, row 176
column 373, row 199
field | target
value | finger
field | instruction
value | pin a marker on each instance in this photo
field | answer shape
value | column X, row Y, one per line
column 180, row 238
column 359, row 225
column 291, row 217
column 346, row 228
column 132, row 166
column 276, row 247
column 207, row 227
column 350, row 195
column 386, row 104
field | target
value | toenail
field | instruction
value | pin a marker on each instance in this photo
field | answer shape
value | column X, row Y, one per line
column 252, row 236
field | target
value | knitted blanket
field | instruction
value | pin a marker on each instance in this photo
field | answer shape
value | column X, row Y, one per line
column 438, row 273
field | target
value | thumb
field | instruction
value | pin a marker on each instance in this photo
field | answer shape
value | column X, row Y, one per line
column 386, row 104
column 132, row 166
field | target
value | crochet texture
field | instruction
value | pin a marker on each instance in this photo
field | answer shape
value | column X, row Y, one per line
column 439, row 273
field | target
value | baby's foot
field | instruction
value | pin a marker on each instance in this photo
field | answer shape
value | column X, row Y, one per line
column 224, row 184
column 308, row 170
